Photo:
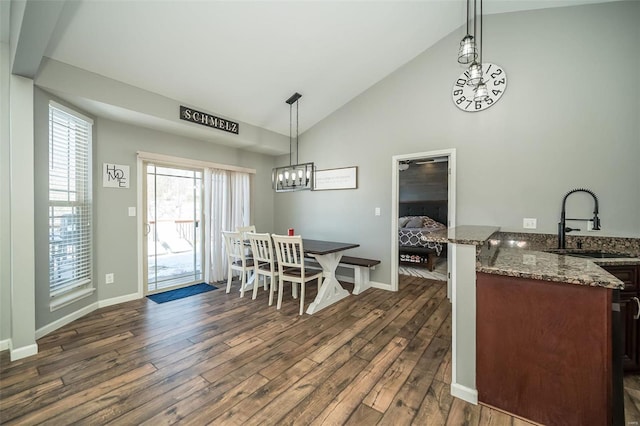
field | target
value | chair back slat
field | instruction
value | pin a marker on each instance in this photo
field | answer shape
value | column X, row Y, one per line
column 235, row 246
column 261, row 247
column 289, row 251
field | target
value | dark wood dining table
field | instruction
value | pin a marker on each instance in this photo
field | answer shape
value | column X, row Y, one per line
column 328, row 255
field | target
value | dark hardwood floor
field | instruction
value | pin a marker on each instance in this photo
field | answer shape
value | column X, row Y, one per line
column 378, row 358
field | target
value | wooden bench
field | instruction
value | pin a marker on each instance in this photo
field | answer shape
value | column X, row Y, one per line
column 361, row 268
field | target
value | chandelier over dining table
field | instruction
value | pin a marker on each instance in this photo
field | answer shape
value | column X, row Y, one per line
column 294, row 177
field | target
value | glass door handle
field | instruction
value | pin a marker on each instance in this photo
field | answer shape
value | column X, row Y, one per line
column 147, row 229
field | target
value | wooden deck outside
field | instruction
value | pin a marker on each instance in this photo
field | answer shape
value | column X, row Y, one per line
column 378, row 358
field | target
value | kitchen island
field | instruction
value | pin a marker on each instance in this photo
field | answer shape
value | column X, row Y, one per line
column 557, row 312
column 545, row 331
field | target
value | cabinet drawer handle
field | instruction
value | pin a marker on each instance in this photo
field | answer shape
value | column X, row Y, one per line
column 637, row 315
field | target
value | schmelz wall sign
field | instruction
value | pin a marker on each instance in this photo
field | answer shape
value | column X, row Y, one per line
column 209, row 120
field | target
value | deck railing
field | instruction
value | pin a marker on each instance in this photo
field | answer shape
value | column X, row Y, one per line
column 184, row 227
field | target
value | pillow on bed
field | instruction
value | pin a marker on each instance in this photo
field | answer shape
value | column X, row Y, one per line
column 403, row 221
column 415, row 222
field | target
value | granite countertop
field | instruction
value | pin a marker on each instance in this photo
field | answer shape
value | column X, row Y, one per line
column 527, row 257
column 466, row 234
column 537, row 265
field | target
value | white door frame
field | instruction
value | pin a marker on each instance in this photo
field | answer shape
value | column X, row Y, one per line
column 451, row 208
column 143, row 287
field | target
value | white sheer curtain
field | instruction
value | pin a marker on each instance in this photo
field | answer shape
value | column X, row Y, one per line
column 228, row 205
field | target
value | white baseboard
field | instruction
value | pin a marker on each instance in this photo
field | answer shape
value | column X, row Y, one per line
column 119, row 299
column 84, row 311
column 41, row 332
column 4, row 344
column 464, row 393
column 24, row 352
column 381, row 286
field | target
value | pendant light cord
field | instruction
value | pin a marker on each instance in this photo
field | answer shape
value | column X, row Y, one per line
column 468, row 2
column 481, row 34
column 474, row 21
column 297, row 130
column 290, row 131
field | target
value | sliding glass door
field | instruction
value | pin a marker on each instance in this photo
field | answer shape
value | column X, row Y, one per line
column 173, row 243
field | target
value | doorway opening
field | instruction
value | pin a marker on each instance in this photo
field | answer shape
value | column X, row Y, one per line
column 173, row 214
column 423, row 203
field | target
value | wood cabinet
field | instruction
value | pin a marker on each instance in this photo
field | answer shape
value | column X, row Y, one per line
column 629, row 309
column 544, row 350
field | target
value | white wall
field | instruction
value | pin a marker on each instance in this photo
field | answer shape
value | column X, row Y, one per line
column 5, row 198
column 22, row 255
column 115, row 233
column 568, row 119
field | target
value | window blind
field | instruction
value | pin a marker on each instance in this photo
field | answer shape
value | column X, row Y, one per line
column 70, row 209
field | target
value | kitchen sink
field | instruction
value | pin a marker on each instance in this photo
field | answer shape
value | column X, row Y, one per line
column 588, row 254
column 596, row 255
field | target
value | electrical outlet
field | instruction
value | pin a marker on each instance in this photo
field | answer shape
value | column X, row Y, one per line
column 529, row 223
column 589, row 225
column 108, row 278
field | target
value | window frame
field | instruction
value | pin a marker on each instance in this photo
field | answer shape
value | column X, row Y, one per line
column 74, row 252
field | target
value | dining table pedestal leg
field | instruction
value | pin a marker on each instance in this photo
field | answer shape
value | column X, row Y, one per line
column 331, row 291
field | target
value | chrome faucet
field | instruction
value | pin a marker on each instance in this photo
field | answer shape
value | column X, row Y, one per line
column 562, row 226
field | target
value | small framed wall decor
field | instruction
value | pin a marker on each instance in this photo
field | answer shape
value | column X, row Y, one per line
column 343, row 178
column 115, row 175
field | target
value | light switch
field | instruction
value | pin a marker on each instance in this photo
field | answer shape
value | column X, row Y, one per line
column 377, row 211
column 132, row 211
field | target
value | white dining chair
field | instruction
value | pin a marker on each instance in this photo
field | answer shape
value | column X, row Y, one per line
column 243, row 230
column 237, row 259
column 291, row 267
column 265, row 264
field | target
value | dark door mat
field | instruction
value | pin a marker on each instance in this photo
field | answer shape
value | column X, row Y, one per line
column 181, row 293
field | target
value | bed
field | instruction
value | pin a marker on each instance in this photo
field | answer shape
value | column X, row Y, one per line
column 416, row 220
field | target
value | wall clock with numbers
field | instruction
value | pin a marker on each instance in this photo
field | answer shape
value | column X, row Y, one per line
column 494, row 77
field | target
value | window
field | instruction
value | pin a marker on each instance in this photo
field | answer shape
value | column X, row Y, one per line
column 70, row 210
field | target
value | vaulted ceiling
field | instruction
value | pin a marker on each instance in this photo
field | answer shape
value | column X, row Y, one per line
column 243, row 59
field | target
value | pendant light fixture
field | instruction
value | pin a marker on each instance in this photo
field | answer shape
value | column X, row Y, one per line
column 475, row 74
column 475, row 69
column 467, row 52
column 294, row 177
column 481, row 85
column 481, row 93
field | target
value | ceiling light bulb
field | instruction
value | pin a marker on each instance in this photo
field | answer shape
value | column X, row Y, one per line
column 280, row 177
column 467, row 52
column 286, row 174
column 481, row 92
column 300, row 172
column 475, row 74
